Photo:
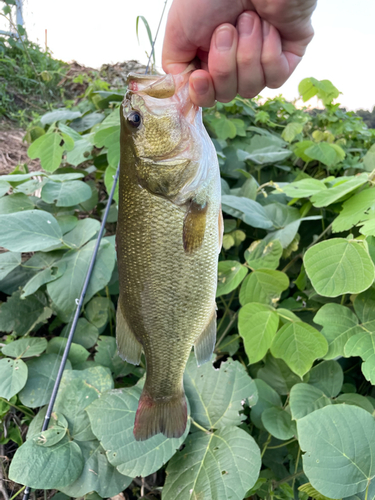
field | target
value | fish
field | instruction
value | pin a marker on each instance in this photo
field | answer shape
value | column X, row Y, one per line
column 169, row 234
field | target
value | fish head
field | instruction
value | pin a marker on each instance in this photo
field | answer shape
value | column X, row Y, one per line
column 155, row 115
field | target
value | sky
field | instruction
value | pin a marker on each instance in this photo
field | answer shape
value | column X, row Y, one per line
column 94, row 32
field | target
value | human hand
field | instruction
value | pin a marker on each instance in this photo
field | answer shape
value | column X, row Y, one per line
column 243, row 45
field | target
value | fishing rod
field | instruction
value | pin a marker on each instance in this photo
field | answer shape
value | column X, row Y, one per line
column 79, row 303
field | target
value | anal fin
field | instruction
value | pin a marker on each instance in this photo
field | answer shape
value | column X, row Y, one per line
column 194, row 226
column 129, row 348
column 205, row 343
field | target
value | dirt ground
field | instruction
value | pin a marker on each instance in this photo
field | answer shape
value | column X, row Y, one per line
column 13, row 151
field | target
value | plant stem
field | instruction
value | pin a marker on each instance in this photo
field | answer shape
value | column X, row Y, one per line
column 289, row 478
column 199, row 426
column 296, row 467
column 266, row 445
column 282, row 444
column 367, row 487
column 226, row 330
column 16, row 407
column 18, row 492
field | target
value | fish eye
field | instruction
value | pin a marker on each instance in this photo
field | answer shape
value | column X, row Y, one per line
column 134, row 119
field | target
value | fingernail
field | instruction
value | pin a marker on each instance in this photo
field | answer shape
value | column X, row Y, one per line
column 200, row 85
column 245, row 25
column 266, row 28
column 224, row 39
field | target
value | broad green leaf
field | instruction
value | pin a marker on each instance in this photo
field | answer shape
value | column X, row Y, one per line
column 339, row 445
column 67, row 288
column 356, row 400
column 257, row 325
column 328, row 377
column 217, row 396
column 216, row 466
column 20, row 316
column 299, row 345
column 263, row 150
column 8, row 262
column 313, row 493
column 65, row 194
column 25, row 348
column 263, row 285
column 85, row 334
column 21, row 177
column 305, row 399
column 97, row 474
column 81, row 152
column 250, row 211
column 224, row 128
column 369, row 159
column 47, row 467
column 339, row 266
column 278, row 375
column 70, row 176
column 4, row 187
column 281, row 215
column 17, row 202
column 304, row 188
column 354, row 210
column 291, row 131
column 54, row 434
column 324, row 89
column 299, row 149
column 77, row 353
column 42, row 373
column 29, row 187
column 97, row 311
column 47, row 275
column 340, row 189
column 278, row 423
column 363, row 344
column 13, row 377
column 107, row 355
column 230, row 275
column 368, row 226
column 110, row 138
column 72, row 400
column 91, row 203
column 328, row 154
column 109, row 179
column 59, row 115
column 48, row 149
column 82, row 233
column 267, row 398
column 339, row 324
column 29, row 231
column 67, row 223
column 229, row 345
column 97, row 377
column 112, row 420
column 57, row 421
column 364, row 305
column 263, row 255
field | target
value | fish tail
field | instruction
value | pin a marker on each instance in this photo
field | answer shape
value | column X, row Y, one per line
column 166, row 415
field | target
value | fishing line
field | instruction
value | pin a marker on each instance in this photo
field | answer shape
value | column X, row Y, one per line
column 80, row 301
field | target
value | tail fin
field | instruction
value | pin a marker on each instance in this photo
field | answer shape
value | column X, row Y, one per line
column 166, row 415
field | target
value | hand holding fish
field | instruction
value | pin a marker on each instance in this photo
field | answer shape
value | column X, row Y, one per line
column 243, row 45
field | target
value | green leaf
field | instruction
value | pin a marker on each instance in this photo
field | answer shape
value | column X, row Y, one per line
column 229, row 345
column 339, row 266
column 339, row 324
column 328, row 377
column 324, row 89
column 257, row 325
column 48, row 149
column 77, row 353
column 339, row 445
column 217, row 396
column 354, row 210
column 224, row 128
column 13, row 377
column 299, row 345
column 112, row 420
column 339, row 190
column 250, row 211
column 230, row 275
column 356, row 400
column 109, row 179
column 85, row 334
column 25, row 348
column 278, row 375
column 263, row 255
column 66, row 194
column 97, row 377
column 29, row 231
column 304, row 188
column 291, row 131
column 264, row 285
column 299, row 150
column 97, row 474
column 363, row 344
column 219, row 466
column 64, row 290
column 267, row 398
column 20, row 316
column 278, row 423
column 305, row 399
column 110, row 138
column 59, row 115
column 328, row 154
column 263, row 150
column 84, row 231
column 42, row 373
column 312, row 492
column 97, row 311
column 47, row 467
column 107, row 355
column 51, row 273
column 4, row 187
column 17, row 202
column 8, row 262
column 369, row 159
column 364, row 305
column 54, row 434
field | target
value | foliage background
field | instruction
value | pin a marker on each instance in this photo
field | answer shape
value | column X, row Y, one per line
column 288, row 411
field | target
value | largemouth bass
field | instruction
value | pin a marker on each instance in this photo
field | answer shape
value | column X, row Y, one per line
column 169, row 233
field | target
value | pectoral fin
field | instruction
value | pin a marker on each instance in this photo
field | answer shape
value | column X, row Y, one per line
column 194, row 226
column 129, row 348
column 205, row 343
